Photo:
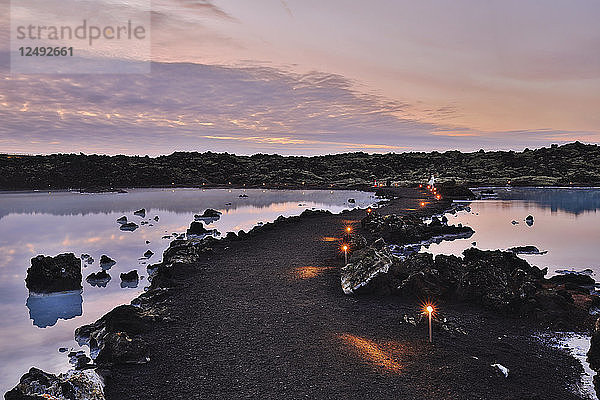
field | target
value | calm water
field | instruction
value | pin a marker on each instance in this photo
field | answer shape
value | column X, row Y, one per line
column 566, row 225
column 33, row 328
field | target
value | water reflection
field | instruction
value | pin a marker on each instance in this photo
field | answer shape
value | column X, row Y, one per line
column 46, row 309
column 571, row 200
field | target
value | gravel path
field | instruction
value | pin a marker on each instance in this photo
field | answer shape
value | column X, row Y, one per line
column 266, row 319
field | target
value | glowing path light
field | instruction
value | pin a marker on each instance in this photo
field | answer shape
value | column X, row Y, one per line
column 345, row 249
column 429, row 309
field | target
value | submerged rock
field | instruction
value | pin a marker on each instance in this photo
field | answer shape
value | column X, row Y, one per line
column 106, row 262
column 148, row 253
column 73, row 385
column 210, row 213
column 130, row 276
column 54, row 274
column 526, row 250
column 529, row 220
column 130, row 226
column 140, row 213
column 351, row 201
column 99, row 279
column 156, row 218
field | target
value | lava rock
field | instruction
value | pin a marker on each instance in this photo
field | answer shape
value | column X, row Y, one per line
column 210, row 213
column 54, row 274
column 74, row 385
column 130, row 226
column 122, row 220
column 575, row 279
column 140, row 213
column 529, row 220
column 351, row 201
column 114, row 337
column 148, row 253
column 106, row 262
column 499, row 281
column 99, row 279
column 196, row 228
column 409, row 229
column 526, row 250
column 130, row 276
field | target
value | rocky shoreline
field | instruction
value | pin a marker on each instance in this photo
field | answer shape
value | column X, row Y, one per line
column 141, row 341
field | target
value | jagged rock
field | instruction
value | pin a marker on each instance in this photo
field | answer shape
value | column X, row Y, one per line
column 140, row 213
column 179, row 252
column 106, row 262
column 99, row 279
column 360, row 274
column 74, row 385
column 113, row 338
column 357, row 242
column 409, row 229
column 122, row 220
column 593, row 355
column 87, row 259
column 526, row 250
column 231, row 236
column 575, row 279
column 156, row 218
column 351, row 201
column 499, row 281
column 130, row 226
column 130, row 276
column 210, row 213
column 148, row 253
column 529, row 220
column 79, row 360
column 196, row 228
column 243, row 196
column 54, row 274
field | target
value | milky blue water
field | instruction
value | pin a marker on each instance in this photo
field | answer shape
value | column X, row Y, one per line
column 34, row 327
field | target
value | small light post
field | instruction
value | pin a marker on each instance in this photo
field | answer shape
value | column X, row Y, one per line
column 429, row 310
column 345, row 248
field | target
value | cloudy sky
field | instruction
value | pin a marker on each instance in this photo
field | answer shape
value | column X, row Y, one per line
column 320, row 76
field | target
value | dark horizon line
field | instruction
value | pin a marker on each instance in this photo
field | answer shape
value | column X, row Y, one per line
column 553, row 145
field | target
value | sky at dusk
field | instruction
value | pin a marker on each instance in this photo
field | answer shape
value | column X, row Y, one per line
column 320, row 76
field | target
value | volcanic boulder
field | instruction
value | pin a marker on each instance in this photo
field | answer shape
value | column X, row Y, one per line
column 196, row 228
column 73, row 385
column 54, row 274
